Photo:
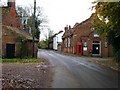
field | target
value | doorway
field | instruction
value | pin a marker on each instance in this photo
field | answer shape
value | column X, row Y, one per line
column 10, row 50
column 96, row 49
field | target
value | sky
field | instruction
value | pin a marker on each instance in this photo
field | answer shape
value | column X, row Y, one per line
column 61, row 12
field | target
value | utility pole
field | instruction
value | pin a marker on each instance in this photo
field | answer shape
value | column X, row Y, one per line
column 34, row 29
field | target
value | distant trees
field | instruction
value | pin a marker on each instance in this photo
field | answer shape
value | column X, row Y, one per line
column 45, row 43
column 109, row 14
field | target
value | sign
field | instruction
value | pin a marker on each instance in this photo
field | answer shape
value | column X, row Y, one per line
column 84, row 48
column 24, row 20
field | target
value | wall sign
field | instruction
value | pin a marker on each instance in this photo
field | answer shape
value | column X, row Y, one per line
column 84, row 48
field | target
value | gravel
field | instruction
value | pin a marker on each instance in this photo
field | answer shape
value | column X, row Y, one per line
column 26, row 75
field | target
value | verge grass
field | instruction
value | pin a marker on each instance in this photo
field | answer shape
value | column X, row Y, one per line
column 23, row 60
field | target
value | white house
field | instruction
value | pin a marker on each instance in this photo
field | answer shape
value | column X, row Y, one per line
column 55, row 42
column 57, row 38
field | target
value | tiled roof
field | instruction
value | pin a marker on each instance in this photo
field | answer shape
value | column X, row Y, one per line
column 20, row 33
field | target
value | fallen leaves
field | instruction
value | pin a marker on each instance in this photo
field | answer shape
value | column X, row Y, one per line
column 25, row 75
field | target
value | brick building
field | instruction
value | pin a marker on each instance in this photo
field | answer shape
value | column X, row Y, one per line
column 67, row 43
column 15, row 41
column 83, row 39
column 9, row 15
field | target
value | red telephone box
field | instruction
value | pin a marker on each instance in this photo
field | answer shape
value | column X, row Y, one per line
column 79, row 48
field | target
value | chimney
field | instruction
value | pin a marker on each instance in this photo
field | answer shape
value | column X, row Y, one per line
column 69, row 27
column 66, row 28
column 11, row 3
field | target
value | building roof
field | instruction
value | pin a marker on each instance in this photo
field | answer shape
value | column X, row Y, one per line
column 70, row 31
column 5, row 10
column 20, row 33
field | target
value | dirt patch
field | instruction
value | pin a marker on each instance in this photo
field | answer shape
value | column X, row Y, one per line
column 26, row 75
column 109, row 63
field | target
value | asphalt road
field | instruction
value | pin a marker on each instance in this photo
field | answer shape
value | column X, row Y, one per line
column 78, row 72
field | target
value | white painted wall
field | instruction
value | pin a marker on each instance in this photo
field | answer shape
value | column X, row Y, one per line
column 55, row 39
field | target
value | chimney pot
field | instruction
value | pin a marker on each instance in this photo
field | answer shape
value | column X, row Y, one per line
column 66, row 28
column 69, row 27
column 11, row 3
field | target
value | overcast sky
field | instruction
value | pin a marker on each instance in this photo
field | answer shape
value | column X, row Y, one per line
column 62, row 12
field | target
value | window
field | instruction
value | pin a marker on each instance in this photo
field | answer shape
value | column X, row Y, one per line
column 68, row 42
column 85, row 46
column 65, row 42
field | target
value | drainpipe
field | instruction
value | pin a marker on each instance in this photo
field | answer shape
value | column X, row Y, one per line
column 74, row 43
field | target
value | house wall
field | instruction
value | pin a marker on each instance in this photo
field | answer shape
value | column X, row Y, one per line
column 83, row 33
column 11, row 18
column 67, row 44
column 82, row 29
column 29, row 46
column 59, row 47
column 55, row 39
column 10, row 37
column 106, row 51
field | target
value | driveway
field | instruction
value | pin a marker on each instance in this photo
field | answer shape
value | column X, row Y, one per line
column 78, row 72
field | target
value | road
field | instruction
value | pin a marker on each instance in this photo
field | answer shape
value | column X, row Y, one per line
column 78, row 72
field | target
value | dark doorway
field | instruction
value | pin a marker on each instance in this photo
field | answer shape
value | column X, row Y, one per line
column 96, row 49
column 10, row 50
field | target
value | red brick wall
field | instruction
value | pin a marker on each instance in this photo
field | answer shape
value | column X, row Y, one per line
column 10, row 18
column 83, row 29
column 83, row 32
column 10, row 37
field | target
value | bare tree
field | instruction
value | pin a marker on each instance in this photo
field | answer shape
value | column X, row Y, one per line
column 40, row 18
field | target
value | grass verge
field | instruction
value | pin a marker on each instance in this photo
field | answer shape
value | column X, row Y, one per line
column 110, row 63
column 24, row 60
